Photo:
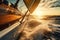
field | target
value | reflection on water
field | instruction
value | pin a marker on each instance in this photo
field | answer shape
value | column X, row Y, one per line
column 42, row 29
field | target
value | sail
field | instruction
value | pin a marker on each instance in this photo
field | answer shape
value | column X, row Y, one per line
column 31, row 4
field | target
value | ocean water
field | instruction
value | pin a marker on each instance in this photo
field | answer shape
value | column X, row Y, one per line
column 38, row 29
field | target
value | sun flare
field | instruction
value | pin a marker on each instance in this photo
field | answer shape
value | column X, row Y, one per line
column 37, row 13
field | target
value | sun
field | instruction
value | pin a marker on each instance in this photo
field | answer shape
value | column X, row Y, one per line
column 37, row 13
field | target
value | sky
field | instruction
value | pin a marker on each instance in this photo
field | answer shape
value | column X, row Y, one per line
column 44, row 7
column 12, row 1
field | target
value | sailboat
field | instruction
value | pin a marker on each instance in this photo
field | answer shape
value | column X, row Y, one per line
column 9, row 18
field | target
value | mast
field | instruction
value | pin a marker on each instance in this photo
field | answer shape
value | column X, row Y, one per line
column 31, row 4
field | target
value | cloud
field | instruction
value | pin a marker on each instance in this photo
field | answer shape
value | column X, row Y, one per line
column 56, row 4
column 50, row 3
